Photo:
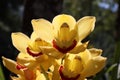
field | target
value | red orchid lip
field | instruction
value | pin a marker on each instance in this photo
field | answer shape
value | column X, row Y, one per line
column 18, row 66
column 63, row 77
column 34, row 54
column 64, row 49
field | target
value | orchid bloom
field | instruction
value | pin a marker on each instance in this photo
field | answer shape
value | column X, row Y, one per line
column 24, row 72
column 55, row 51
column 64, row 33
column 79, row 66
column 30, row 50
column 27, row 45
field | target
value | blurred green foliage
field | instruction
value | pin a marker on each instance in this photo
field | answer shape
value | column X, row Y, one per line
column 1, row 73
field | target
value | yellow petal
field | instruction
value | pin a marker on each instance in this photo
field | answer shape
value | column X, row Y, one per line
column 43, row 29
column 38, row 41
column 45, row 61
column 85, row 26
column 95, row 52
column 17, row 78
column 58, row 22
column 32, row 62
column 56, row 75
column 63, row 18
column 40, row 76
column 34, row 36
column 11, row 65
column 24, row 58
column 79, row 48
column 85, row 56
column 20, row 41
column 94, row 65
column 72, row 65
column 65, row 35
column 51, row 52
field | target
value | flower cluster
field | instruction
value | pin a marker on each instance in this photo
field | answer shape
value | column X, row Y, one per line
column 54, row 51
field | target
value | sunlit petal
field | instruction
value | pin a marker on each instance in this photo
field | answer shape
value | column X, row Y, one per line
column 85, row 26
column 65, row 23
column 34, row 36
column 20, row 41
column 25, row 58
column 51, row 52
column 43, row 28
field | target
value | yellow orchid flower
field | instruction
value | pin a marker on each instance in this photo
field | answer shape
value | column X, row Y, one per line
column 30, row 50
column 79, row 66
column 26, row 45
column 64, row 33
column 54, row 51
column 24, row 72
column 15, row 67
column 93, row 62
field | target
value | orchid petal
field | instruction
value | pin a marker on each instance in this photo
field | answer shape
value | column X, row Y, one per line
column 43, row 29
column 95, row 52
column 40, row 76
column 92, row 62
column 79, row 48
column 24, row 58
column 64, row 23
column 60, row 19
column 94, row 65
column 72, row 65
column 11, row 65
column 50, row 51
column 56, row 75
column 20, row 41
column 85, row 26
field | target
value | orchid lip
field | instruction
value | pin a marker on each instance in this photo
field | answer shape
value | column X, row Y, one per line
column 63, row 77
column 34, row 54
column 64, row 49
column 18, row 66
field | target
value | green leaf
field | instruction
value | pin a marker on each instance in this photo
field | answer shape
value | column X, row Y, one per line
column 1, row 74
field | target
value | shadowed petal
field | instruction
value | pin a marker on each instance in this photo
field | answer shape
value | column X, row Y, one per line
column 79, row 48
column 11, row 65
column 94, row 65
column 72, row 65
column 95, row 52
